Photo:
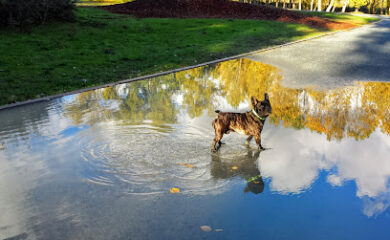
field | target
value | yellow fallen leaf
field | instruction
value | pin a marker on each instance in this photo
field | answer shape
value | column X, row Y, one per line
column 186, row 165
column 174, row 190
column 2, row 147
column 234, row 168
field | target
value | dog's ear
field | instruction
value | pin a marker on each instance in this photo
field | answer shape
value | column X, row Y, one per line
column 254, row 101
column 266, row 97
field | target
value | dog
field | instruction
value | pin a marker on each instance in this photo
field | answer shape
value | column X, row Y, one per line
column 250, row 123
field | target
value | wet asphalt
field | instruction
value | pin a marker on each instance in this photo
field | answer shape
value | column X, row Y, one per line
column 360, row 54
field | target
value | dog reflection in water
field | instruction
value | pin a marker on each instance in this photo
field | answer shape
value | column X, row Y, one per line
column 244, row 166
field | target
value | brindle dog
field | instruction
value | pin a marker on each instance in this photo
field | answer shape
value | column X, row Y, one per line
column 250, row 123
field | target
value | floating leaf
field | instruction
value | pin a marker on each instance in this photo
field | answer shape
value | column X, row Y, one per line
column 186, row 165
column 219, row 230
column 206, row 228
column 234, row 168
column 2, row 147
column 174, row 190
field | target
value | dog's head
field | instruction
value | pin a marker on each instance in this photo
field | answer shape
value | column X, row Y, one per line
column 263, row 108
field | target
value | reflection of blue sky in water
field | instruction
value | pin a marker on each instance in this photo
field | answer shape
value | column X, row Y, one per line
column 305, row 154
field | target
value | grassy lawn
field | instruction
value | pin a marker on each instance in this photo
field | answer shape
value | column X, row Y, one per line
column 100, row 47
column 338, row 17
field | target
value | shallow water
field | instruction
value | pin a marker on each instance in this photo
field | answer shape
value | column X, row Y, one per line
column 100, row 164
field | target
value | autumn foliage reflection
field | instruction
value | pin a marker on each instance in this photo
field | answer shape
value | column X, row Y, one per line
column 354, row 111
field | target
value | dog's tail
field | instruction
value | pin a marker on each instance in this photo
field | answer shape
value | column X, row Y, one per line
column 215, row 120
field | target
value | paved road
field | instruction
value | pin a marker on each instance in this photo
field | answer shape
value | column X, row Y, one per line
column 338, row 59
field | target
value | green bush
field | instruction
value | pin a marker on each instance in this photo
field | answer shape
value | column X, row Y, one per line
column 29, row 12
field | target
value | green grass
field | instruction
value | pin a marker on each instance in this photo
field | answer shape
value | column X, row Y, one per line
column 338, row 17
column 101, row 47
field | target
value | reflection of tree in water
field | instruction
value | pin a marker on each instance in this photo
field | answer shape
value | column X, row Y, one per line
column 243, row 78
column 146, row 100
column 244, row 166
column 197, row 90
column 354, row 111
column 128, row 103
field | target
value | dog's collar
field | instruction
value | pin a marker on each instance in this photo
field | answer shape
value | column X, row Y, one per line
column 257, row 115
column 253, row 178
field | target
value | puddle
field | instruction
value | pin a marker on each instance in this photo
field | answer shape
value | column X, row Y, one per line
column 101, row 164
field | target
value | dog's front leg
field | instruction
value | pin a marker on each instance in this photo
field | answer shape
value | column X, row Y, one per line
column 217, row 139
column 258, row 141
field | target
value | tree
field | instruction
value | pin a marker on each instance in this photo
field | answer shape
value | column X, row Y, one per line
column 359, row 3
column 330, row 6
column 344, row 5
column 27, row 12
column 372, row 6
column 319, row 5
column 311, row 5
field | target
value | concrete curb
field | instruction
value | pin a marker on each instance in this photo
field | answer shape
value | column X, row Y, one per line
column 48, row 98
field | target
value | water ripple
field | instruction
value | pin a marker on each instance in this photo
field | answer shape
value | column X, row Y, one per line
column 130, row 157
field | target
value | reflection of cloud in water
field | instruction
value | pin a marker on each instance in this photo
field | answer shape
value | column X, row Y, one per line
column 366, row 162
column 292, row 163
column 296, row 158
column 376, row 206
column 33, row 151
column 15, row 183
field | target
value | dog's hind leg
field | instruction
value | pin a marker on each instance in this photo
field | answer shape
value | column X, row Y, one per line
column 217, row 139
column 248, row 140
column 258, row 141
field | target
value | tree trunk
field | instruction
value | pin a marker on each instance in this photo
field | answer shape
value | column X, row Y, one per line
column 334, row 8
column 284, row 3
column 345, row 5
column 387, row 7
column 319, row 5
column 381, row 7
column 330, row 6
column 277, row 3
column 311, row 5
column 371, row 8
column 293, row 4
column 300, row 5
